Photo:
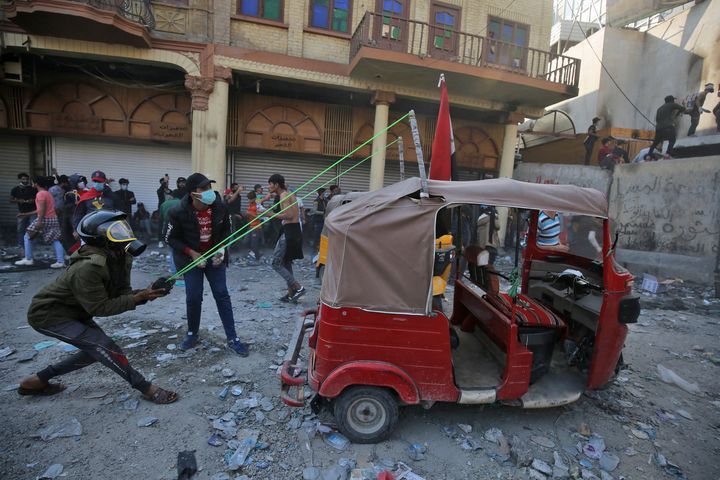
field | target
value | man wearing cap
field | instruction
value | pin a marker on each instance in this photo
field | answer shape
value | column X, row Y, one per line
column 124, row 198
column 98, row 197
column 181, row 189
column 198, row 224
column 697, row 108
column 665, row 118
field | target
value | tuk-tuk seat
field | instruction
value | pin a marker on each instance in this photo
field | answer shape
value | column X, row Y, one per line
column 528, row 312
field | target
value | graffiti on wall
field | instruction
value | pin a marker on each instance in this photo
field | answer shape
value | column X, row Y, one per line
column 677, row 213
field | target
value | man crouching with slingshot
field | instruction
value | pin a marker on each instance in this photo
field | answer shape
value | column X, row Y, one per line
column 97, row 284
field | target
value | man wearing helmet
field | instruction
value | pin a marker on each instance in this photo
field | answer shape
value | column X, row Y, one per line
column 96, row 284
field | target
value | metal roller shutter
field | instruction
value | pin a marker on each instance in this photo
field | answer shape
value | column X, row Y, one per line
column 14, row 158
column 467, row 175
column 357, row 179
column 143, row 165
column 251, row 168
column 392, row 172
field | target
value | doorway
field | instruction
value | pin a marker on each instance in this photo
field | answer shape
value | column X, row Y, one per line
column 444, row 30
column 391, row 26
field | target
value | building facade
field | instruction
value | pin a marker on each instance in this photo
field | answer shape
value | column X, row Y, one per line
column 242, row 89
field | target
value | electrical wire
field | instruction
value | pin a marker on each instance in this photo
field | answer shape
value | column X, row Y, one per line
column 613, row 78
column 500, row 13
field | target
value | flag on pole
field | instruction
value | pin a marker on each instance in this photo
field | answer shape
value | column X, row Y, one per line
column 442, row 156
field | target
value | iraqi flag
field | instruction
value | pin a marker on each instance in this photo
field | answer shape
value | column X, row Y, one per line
column 442, row 156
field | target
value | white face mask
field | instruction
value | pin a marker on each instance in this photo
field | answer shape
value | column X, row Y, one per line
column 123, row 187
column 81, row 185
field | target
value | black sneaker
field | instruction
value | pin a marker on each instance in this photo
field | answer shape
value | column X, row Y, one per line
column 190, row 341
column 298, row 293
column 285, row 298
column 238, row 347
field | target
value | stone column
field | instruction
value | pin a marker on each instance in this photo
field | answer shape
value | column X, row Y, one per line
column 209, row 130
column 507, row 164
column 382, row 101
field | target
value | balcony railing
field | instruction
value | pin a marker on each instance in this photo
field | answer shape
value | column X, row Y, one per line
column 139, row 11
column 425, row 40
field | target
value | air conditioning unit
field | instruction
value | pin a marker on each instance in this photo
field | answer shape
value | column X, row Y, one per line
column 12, row 71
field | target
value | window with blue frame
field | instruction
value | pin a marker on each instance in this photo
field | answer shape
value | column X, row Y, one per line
column 330, row 15
column 267, row 9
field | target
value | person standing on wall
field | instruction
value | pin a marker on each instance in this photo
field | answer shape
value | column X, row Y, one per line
column 200, row 222
column 289, row 243
column 23, row 195
column 665, row 119
column 695, row 107
column 591, row 138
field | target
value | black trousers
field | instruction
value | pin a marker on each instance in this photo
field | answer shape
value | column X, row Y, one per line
column 665, row 133
column 94, row 346
column 694, row 120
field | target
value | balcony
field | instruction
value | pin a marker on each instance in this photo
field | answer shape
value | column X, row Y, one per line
column 395, row 49
column 126, row 22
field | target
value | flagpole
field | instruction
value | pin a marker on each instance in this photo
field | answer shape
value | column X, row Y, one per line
column 401, row 156
column 418, row 152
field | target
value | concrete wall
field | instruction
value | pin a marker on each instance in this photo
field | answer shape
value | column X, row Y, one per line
column 580, row 175
column 667, row 213
column 670, row 207
column 675, row 57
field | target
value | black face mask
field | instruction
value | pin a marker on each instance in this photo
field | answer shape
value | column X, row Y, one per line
column 135, row 248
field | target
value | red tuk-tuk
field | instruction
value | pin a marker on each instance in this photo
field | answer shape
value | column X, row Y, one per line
column 376, row 342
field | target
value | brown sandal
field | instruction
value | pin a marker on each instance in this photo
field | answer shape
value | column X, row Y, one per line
column 47, row 390
column 161, row 396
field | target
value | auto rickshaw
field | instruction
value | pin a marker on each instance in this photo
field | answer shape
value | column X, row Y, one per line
column 333, row 203
column 376, row 343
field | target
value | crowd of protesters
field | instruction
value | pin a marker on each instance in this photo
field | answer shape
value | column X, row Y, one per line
column 613, row 151
column 50, row 208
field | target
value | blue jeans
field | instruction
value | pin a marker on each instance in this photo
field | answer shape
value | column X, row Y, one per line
column 194, row 297
column 59, row 250
column 255, row 243
column 22, row 224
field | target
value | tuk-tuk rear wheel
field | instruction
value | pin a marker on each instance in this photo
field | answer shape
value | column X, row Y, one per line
column 366, row 414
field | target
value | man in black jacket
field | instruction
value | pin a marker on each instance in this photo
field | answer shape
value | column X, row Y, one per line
column 199, row 223
column 124, row 198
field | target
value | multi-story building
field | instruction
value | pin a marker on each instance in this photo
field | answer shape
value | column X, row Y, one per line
column 240, row 89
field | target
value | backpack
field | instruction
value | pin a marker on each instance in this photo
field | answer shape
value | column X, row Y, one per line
column 689, row 101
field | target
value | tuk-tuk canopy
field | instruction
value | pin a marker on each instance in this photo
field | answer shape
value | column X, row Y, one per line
column 381, row 245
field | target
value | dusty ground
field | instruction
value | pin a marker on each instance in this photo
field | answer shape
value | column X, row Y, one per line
column 679, row 331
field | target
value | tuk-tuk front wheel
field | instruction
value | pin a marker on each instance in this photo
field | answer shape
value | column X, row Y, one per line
column 366, row 414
